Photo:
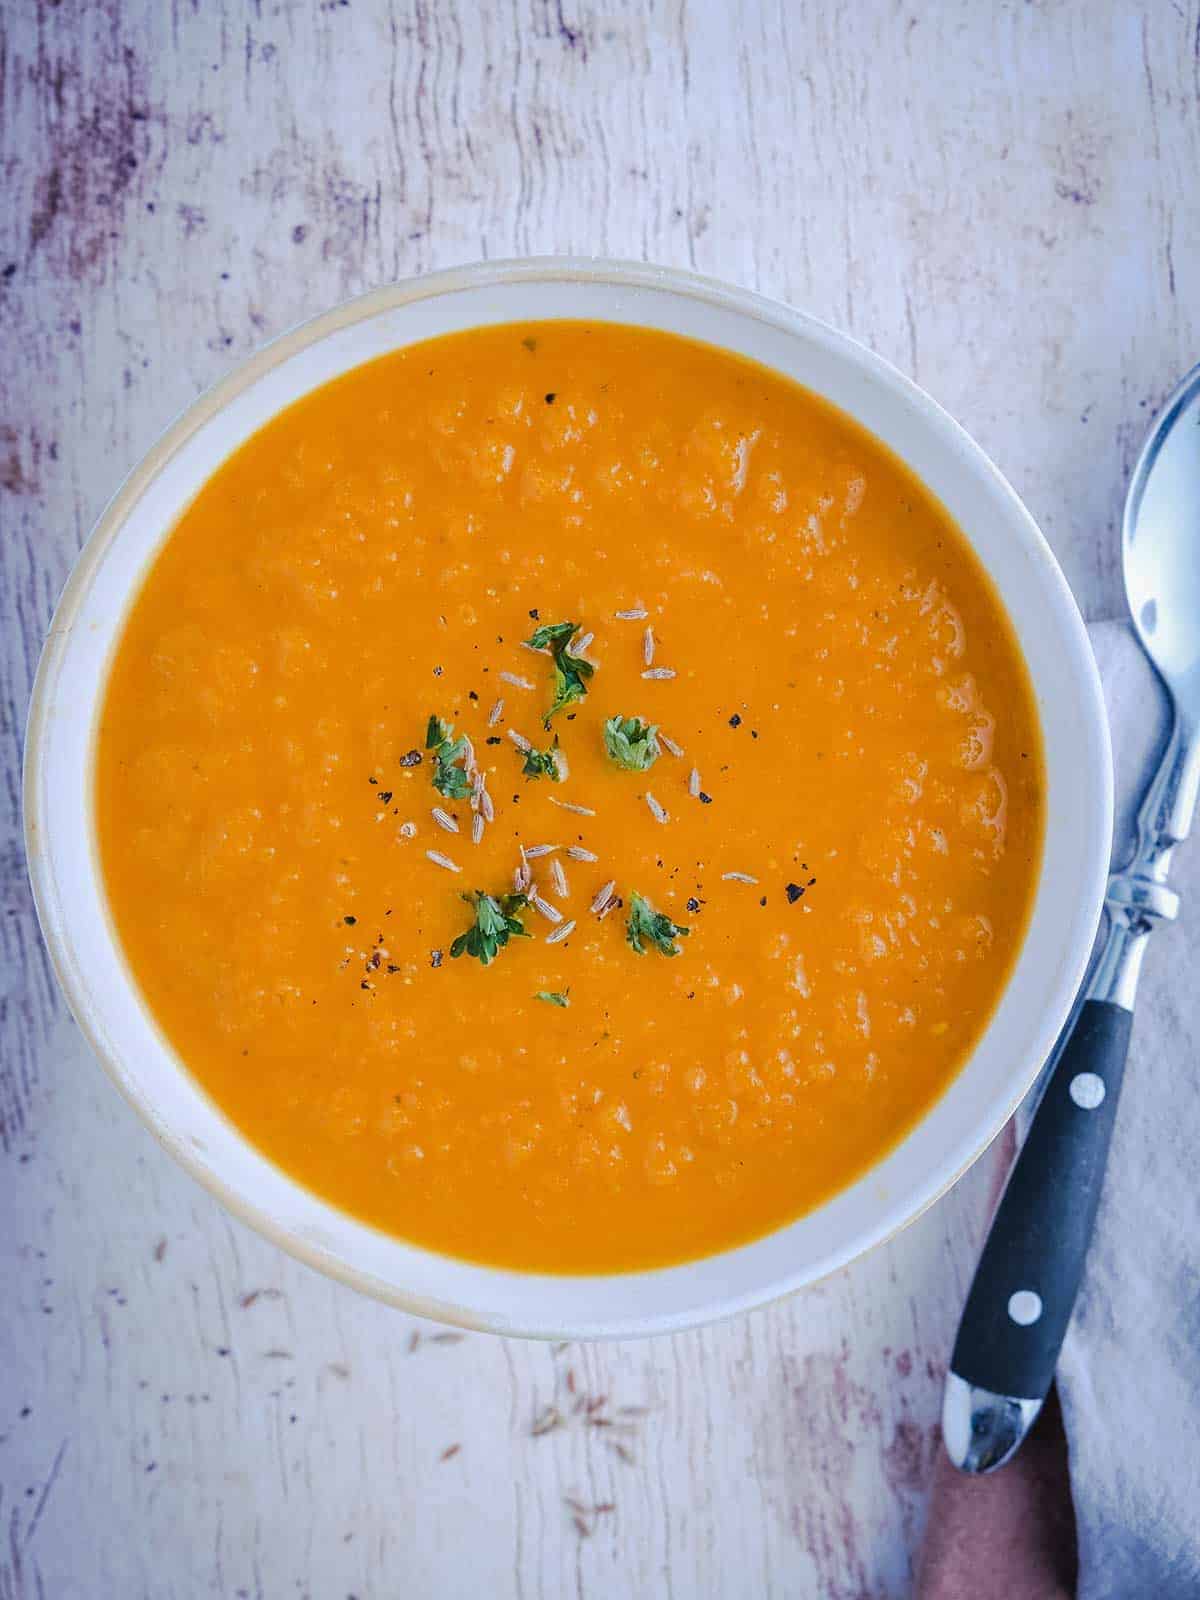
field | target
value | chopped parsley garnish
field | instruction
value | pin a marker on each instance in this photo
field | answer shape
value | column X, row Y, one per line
column 648, row 926
column 543, row 764
column 631, row 743
column 449, row 778
column 554, row 998
column 496, row 921
column 571, row 673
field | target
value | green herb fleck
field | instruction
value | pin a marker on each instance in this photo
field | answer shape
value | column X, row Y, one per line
column 553, row 998
column 631, row 743
column 448, row 777
column 648, row 926
column 571, row 673
column 496, row 921
column 543, row 764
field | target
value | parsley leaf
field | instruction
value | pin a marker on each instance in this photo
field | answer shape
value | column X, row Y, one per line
column 571, row 673
column 448, row 777
column 631, row 743
column 543, row 764
column 495, row 922
column 647, row 926
column 553, row 998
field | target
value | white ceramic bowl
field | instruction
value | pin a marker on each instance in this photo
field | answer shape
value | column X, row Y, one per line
column 61, row 841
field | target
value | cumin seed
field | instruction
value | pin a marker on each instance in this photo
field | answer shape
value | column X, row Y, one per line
column 648, row 647
column 578, row 853
column 495, row 713
column 439, row 860
column 544, row 908
column 694, row 783
column 517, row 683
column 521, row 742
column 634, row 614
column 444, row 820
column 569, row 805
column 567, row 929
column 669, row 744
column 659, row 672
column 477, row 826
column 657, row 811
column 738, row 877
column 486, row 806
column 558, row 879
column 603, row 896
column 534, row 852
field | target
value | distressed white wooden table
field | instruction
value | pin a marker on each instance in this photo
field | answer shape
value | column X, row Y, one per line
column 1000, row 198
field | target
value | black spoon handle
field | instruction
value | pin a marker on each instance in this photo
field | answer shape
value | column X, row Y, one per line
column 1028, row 1276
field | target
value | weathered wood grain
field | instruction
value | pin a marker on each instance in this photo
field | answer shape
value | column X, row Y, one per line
column 998, row 198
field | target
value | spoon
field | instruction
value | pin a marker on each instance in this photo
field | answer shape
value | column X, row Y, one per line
column 1024, row 1289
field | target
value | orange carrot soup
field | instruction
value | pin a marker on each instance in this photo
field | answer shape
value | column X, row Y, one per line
column 570, row 796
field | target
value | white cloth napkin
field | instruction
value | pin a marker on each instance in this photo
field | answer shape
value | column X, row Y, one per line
column 1129, row 1378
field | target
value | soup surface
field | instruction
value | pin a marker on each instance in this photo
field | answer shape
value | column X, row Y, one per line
column 834, row 835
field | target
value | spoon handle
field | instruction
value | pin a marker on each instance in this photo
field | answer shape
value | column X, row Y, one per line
column 1024, row 1289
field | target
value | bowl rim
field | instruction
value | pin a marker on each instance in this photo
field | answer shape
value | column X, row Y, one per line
column 617, row 274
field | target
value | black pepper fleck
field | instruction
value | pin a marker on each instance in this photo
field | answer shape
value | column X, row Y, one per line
column 735, row 721
column 412, row 759
column 551, row 398
column 435, row 958
column 384, row 796
column 349, row 921
column 494, row 738
column 693, row 905
column 705, row 799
